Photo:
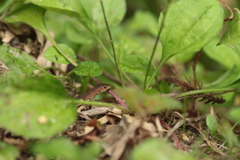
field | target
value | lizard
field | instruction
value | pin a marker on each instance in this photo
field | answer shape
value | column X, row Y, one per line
column 91, row 93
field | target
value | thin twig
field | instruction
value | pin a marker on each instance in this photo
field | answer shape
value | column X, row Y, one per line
column 230, row 10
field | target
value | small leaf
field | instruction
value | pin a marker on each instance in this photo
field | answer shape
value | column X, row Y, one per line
column 189, row 25
column 157, row 149
column 57, row 148
column 40, row 105
column 54, row 55
column 88, row 68
column 211, row 123
column 114, row 10
column 164, row 87
column 222, row 54
column 135, row 64
column 8, row 152
column 231, row 37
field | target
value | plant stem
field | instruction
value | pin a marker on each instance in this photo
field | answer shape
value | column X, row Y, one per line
column 162, row 61
column 112, row 44
column 152, row 55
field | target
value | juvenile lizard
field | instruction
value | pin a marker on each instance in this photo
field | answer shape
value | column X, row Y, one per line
column 91, row 93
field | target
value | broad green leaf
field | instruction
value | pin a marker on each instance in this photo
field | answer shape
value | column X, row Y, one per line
column 234, row 113
column 189, row 25
column 39, row 105
column 30, row 14
column 54, row 55
column 114, row 10
column 135, row 64
column 146, row 104
column 8, row 152
column 57, row 148
column 157, row 149
column 88, row 68
column 222, row 54
column 231, row 37
column 72, row 8
column 19, row 64
column 211, row 123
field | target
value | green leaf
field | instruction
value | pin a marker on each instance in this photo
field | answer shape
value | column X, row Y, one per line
column 57, row 148
column 234, row 113
column 72, row 8
column 146, row 104
column 189, row 25
column 8, row 152
column 229, row 77
column 144, row 21
column 54, row 55
column 19, row 65
column 135, row 64
column 76, row 33
column 40, row 105
column 211, row 123
column 157, row 149
column 114, row 10
column 88, row 68
column 164, row 87
column 222, row 54
column 231, row 37
column 29, row 14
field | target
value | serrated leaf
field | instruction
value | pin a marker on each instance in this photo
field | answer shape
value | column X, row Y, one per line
column 231, row 37
column 135, row 64
column 114, row 10
column 189, row 25
column 39, row 105
column 157, row 149
column 222, row 54
column 8, row 152
column 29, row 14
column 211, row 123
column 19, row 64
column 88, row 68
column 54, row 55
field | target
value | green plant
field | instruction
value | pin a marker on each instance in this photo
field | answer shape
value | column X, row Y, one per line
column 94, row 30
